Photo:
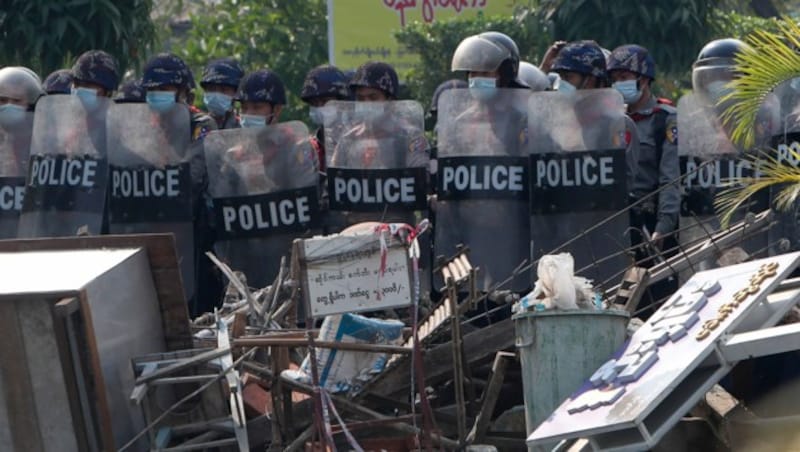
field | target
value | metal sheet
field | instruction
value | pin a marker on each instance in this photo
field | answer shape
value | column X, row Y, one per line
column 54, row 271
column 684, row 367
column 126, row 323
column 47, row 382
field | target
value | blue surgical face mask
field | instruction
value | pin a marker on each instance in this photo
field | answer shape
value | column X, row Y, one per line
column 315, row 113
column 629, row 90
column 483, row 88
column 160, row 101
column 87, row 96
column 11, row 114
column 566, row 87
column 218, row 103
column 251, row 121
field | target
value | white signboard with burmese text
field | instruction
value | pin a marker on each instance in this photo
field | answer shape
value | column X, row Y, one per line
column 671, row 361
column 355, row 273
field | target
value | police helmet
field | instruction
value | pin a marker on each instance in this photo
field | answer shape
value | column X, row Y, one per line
column 222, row 71
column 58, row 82
column 444, row 86
column 262, row 85
column 97, row 66
column 720, row 52
column 633, row 58
column 583, row 57
column 378, row 75
column 17, row 82
column 487, row 52
column 131, row 91
column 715, row 64
column 533, row 77
column 167, row 69
column 324, row 81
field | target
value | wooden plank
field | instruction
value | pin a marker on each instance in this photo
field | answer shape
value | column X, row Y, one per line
column 490, row 396
column 64, row 312
column 19, row 397
column 96, row 370
column 480, row 345
column 162, row 257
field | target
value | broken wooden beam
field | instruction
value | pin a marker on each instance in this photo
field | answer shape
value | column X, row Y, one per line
column 490, row 396
column 481, row 346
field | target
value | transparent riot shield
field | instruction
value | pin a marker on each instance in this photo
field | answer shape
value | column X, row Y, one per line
column 784, row 236
column 579, row 180
column 151, row 188
column 65, row 190
column 15, row 146
column 264, row 186
column 482, row 183
column 710, row 161
column 377, row 168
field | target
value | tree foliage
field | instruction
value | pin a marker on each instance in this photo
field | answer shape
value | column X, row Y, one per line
column 49, row 34
column 286, row 36
column 673, row 30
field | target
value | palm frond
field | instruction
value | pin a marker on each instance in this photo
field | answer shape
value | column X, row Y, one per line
column 772, row 59
column 769, row 172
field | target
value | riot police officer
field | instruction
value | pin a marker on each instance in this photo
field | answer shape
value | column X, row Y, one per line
column 58, row 82
column 322, row 85
column 95, row 74
column 374, row 83
column 20, row 89
column 168, row 84
column 71, row 131
column 168, row 81
column 580, row 65
column 373, row 134
column 484, row 129
column 221, row 78
column 632, row 71
column 262, row 96
column 585, row 121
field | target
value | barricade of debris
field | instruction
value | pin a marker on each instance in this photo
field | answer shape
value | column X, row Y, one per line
column 344, row 350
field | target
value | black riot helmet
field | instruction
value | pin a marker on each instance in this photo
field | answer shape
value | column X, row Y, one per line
column 714, row 67
column 489, row 51
column 719, row 52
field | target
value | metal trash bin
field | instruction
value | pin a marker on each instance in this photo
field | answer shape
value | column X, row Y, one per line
column 559, row 351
